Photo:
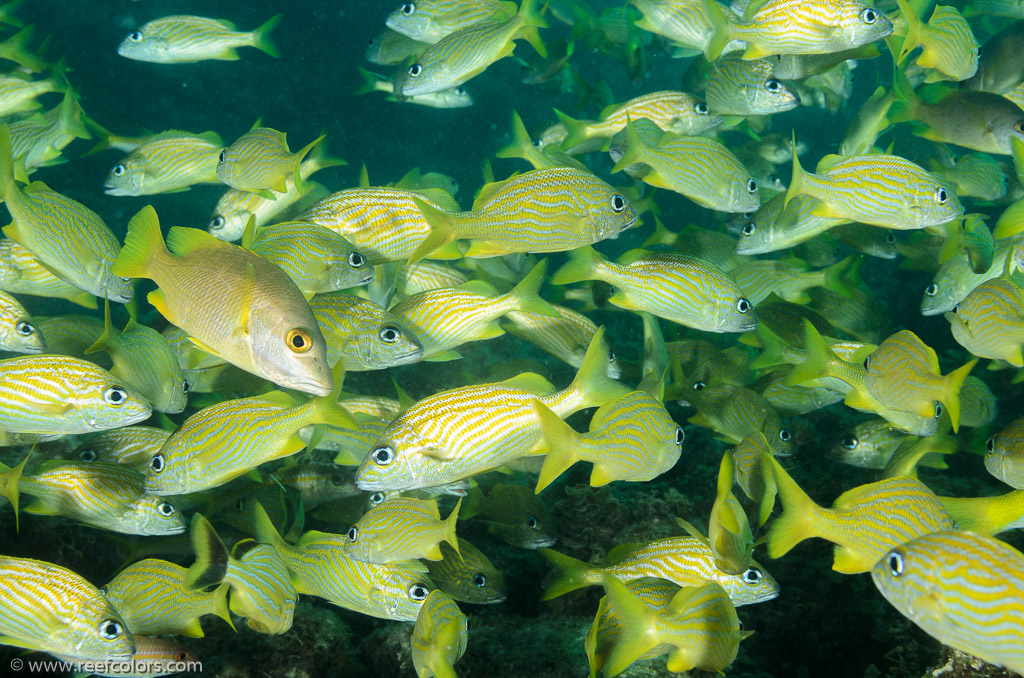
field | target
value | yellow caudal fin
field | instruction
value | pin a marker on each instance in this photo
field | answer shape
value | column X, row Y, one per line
column 817, row 356
column 796, row 181
column 298, row 158
column 522, row 146
column 108, row 330
column 767, row 502
column 581, row 266
column 561, row 441
column 265, row 531
column 327, row 410
column 529, row 21
column 261, row 37
column 592, row 384
column 220, row 605
column 638, row 626
column 573, row 574
column 576, row 131
column 449, row 527
column 913, row 27
column 635, row 148
column 442, row 230
column 526, row 292
column 797, row 520
column 7, row 184
column 211, row 556
column 9, row 478
column 143, row 246
column 951, row 385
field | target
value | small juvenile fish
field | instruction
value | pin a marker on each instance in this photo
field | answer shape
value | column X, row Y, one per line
column 961, row 588
column 471, row 578
column 402, row 529
column 439, row 637
column 18, row 332
column 989, row 322
column 676, row 287
column 130, row 446
column 316, row 258
column 259, row 161
column 183, row 39
column 168, row 162
column 156, row 655
column 740, row 87
column 947, row 43
column 363, row 335
column 565, row 336
column 999, row 71
column 21, row 272
column 516, row 514
column 103, row 495
column 633, row 439
column 48, row 608
column 1005, row 458
column 430, row 20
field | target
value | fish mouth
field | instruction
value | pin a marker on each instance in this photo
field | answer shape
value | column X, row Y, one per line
column 545, row 543
column 311, row 385
column 111, row 189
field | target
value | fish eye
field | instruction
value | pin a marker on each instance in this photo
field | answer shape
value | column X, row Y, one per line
column 479, row 580
column 222, row 158
column 941, row 196
column 742, row 305
column 938, row 410
column 1019, row 127
column 895, row 564
column 390, row 335
column 217, row 222
column 532, row 523
column 25, row 328
column 680, row 435
column 111, row 629
column 156, row 464
column 773, row 86
column 751, row 186
column 869, row 16
column 618, row 203
column 752, row 575
column 165, row 509
column 418, row 592
column 356, row 260
column 118, row 170
column 336, row 479
column 185, row 387
column 749, row 228
column 956, row 309
column 376, row 498
column 611, row 357
column 382, row 455
column 181, row 656
column 699, row 386
column 90, row 455
column 353, row 533
column 460, row 90
column 784, row 435
column 990, row 444
column 115, row 395
column 701, row 108
column 890, row 238
column 240, row 505
column 931, row 290
column 298, row 340
column 408, row 8
column 135, row 36
column 415, row 70
column 867, row 363
column 850, row 443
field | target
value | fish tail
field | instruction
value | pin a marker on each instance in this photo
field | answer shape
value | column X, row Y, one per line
column 370, row 80
column 9, row 478
column 299, row 186
column 265, row 531
column 835, row 276
column 592, row 384
column 71, row 117
column 721, row 29
column 951, row 385
column 526, row 292
column 319, row 158
column 108, row 330
column 795, row 523
column 562, row 442
column 143, row 245
column 573, row 574
column 815, row 365
column 913, row 36
column 582, row 265
column 8, row 11
column 521, row 145
column 796, row 182
column 637, row 630
column 771, row 488
column 327, row 409
column 449, row 527
column 7, row 185
column 635, row 148
column 576, row 131
column 442, row 230
column 661, row 235
column 529, row 21
column 1010, row 222
column 261, row 37
column 211, row 556
column 904, row 105
column 772, row 348
column 15, row 48
column 220, row 605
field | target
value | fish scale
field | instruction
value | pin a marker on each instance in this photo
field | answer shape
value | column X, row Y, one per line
column 22, row 273
column 261, row 589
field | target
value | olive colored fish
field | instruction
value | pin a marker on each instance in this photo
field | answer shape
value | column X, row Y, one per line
column 956, row 278
column 947, row 43
column 657, row 282
column 430, row 20
column 974, row 175
column 183, row 39
column 48, row 608
column 733, row 412
column 259, row 161
column 989, row 322
column 514, row 513
column 436, row 441
column 168, row 162
column 863, row 523
column 754, row 474
column 153, row 600
column 565, row 336
column 71, row 334
column 390, row 47
column 547, row 210
column 632, row 439
column 777, row 226
column 1005, row 458
column 21, row 272
column 464, row 54
column 788, row 279
column 740, row 87
column 18, row 332
column 130, row 446
column 871, row 444
column 363, row 335
column 961, row 588
column 232, row 303
column 467, row 576
column 439, row 638
column 999, row 70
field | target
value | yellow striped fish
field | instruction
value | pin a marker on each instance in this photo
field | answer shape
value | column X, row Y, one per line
column 443, row 320
column 903, row 374
column 438, row 439
column 22, row 273
column 955, row 280
column 169, row 162
column 656, row 594
column 795, row 27
column 18, row 332
column 871, row 444
column 153, row 600
column 753, row 471
column 703, row 170
column 48, row 608
column 430, row 20
column 973, row 175
column 316, row 258
column 384, row 224
column 546, row 210
column 963, row 589
column 863, row 523
column 728, row 530
column 37, row 141
column 700, row 629
column 1005, row 458
column 676, row 287
column 103, row 495
column 363, row 335
column 464, row 54
column 989, row 322
column 440, row 636
column 947, row 43
column 59, row 394
column 565, row 336
column 881, row 190
column 632, row 439
column 259, row 161
column 686, row 561
column 987, row 515
column 791, row 401
column 233, row 303
column 319, row 567
column 18, row 93
column 182, row 39
column 226, row 440
column 740, row 87
column 130, row 446
column 402, row 529
column 684, row 22
column 67, row 237
column 467, row 576
column 261, row 590
column 424, row 276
